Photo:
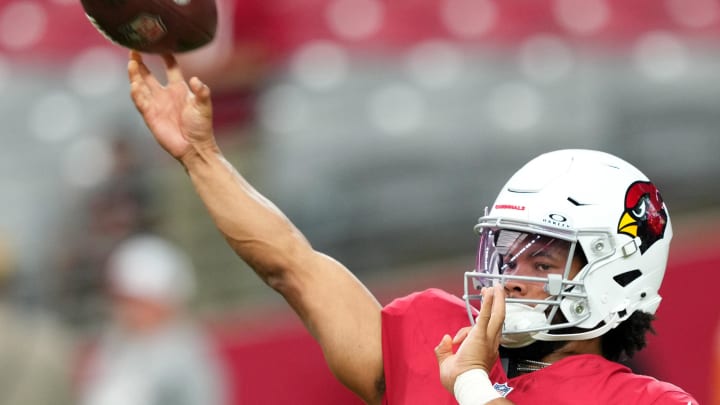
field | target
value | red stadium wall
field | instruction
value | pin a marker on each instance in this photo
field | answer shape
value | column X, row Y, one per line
column 278, row 365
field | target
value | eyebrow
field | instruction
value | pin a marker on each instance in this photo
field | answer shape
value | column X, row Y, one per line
column 543, row 252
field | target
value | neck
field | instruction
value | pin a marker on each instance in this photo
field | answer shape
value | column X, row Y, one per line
column 573, row 347
column 543, row 353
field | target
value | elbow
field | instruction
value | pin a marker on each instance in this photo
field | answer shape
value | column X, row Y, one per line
column 280, row 265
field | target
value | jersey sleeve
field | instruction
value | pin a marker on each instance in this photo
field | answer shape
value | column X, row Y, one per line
column 675, row 397
column 411, row 329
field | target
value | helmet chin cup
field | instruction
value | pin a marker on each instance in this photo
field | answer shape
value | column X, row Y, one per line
column 517, row 340
column 522, row 323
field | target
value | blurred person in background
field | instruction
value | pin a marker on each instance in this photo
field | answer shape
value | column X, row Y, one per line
column 576, row 242
column 119, row 206
column 152, row 352
column 35, row 349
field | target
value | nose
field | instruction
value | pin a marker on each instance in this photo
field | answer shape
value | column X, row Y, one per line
column 514, row 289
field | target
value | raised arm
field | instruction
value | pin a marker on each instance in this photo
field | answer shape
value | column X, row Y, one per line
column 335, row 306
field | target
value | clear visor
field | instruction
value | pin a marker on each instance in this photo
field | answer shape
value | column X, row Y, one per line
column 534, row 268
column 531, row 256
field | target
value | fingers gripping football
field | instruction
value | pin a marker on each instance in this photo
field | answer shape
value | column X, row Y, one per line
column 179, row 113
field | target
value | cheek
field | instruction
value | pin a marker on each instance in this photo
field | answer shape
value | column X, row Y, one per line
column 536, row 291
column 577, row 265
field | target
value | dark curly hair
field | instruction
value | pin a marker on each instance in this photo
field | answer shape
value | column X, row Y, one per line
column 628, row 338
column 618, row 344
column 622, row 342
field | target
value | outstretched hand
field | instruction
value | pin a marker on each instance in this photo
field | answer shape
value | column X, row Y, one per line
column 179, row 113
column 478, row 344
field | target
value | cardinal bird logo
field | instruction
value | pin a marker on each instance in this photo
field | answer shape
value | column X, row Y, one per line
column 645, row 215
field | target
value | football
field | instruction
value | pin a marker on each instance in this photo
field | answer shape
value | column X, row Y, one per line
column 155, row 26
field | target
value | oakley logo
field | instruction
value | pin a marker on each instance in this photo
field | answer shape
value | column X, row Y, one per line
column 556, row 220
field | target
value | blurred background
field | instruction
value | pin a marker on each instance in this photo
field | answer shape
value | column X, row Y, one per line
column 382, row 128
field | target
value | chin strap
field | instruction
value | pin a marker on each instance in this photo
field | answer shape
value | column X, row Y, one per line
column 591, row 334
column 520, row 317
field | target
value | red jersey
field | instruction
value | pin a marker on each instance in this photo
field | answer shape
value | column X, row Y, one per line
column 412, row 326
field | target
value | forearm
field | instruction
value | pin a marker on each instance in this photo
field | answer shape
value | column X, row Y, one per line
column 253, row 226
column 335, row 307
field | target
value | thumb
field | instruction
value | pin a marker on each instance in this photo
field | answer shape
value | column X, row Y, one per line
column 461, row 335
column 200, row 90
column 444, row 349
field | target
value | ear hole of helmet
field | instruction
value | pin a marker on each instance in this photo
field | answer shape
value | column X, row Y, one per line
column 623, row 279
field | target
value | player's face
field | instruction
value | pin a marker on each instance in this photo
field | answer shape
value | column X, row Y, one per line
column 543, row 257
column 140, row 315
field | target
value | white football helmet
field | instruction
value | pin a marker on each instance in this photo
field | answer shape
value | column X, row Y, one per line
column 580, row 204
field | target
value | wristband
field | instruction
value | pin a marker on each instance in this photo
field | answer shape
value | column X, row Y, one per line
column 473, row 387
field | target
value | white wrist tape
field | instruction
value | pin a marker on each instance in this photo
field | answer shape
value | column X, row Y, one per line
column 473, row 387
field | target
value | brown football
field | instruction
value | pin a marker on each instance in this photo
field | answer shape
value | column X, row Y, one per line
column 155, row 26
